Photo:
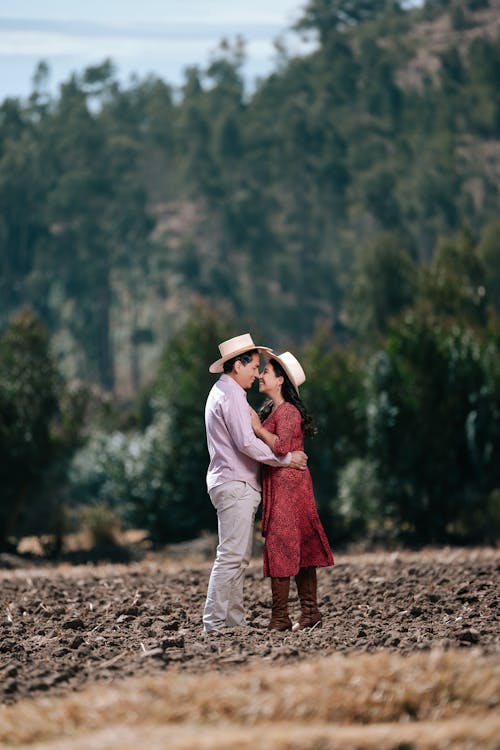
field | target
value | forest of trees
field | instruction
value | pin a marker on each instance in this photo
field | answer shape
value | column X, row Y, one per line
column 347, row 209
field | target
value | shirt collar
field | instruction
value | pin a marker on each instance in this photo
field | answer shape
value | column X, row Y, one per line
column 231, row 382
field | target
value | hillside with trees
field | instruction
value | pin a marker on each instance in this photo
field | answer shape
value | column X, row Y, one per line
column 347, row 209
column 124, row 206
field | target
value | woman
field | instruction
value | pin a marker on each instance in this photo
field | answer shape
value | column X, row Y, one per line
column 295, row 541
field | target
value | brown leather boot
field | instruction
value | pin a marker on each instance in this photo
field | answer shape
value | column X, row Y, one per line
column 307, row 590
column 280, row 620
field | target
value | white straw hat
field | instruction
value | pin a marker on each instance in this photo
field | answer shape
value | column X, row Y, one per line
column 232, row 347
column 291, row 366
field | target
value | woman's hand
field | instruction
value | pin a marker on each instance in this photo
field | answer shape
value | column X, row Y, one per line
column 267, row 437
column 256, row 426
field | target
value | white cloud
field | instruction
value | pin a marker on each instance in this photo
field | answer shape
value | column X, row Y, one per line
column 29, row 43
column 48, row 45
column 161, row 37
column 280, row 12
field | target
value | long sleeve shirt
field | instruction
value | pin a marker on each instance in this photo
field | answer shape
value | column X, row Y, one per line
column 235, row 451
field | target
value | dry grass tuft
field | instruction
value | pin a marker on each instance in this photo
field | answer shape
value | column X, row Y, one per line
column 437, row 699
column 457, row 734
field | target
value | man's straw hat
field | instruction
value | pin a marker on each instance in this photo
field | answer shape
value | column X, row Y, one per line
column 232, row 347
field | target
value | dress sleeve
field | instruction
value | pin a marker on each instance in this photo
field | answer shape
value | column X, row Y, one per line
column 288, row 421
column 237, row 419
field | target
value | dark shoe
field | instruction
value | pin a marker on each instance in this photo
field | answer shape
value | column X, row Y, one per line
column 280, row 620
column 307, row 589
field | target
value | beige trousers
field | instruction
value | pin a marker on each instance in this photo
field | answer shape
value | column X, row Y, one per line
column 236, row 504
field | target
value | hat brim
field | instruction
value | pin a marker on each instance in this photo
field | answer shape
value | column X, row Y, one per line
column 218, row 365
column 272, row 355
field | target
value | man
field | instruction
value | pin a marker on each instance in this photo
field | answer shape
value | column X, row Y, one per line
column 233, row 481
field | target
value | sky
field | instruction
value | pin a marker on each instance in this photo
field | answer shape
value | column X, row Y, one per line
column 161, row 37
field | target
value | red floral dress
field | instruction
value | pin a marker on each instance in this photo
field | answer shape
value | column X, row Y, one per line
column 294, row 536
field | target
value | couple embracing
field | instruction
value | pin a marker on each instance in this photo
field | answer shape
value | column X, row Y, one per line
column 243, row 444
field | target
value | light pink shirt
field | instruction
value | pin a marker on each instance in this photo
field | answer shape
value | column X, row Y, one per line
column 235, row 451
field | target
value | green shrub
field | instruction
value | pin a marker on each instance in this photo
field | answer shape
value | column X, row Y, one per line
column 360, row 496
column 29, row 387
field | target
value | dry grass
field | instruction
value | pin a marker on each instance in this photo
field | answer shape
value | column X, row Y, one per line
column 448, row 735
column 175, row 558
column 427, row 700
column 77, row 541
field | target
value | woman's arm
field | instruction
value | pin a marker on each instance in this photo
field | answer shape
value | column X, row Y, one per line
column 267, row 437
column 299, row 458
column 287, row 426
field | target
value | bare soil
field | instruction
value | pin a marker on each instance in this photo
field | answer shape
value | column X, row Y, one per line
column 64, row 628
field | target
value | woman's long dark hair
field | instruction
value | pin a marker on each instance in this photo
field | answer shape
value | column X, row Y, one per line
column 289, row 394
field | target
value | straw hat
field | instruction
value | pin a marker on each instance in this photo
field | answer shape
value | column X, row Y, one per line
column 232, row 347
column 291, row 366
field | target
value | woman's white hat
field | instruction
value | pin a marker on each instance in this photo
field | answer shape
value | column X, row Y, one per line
column 291, row 366
column 232, row 347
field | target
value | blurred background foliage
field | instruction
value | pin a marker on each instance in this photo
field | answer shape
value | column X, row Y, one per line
column 346, row 209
